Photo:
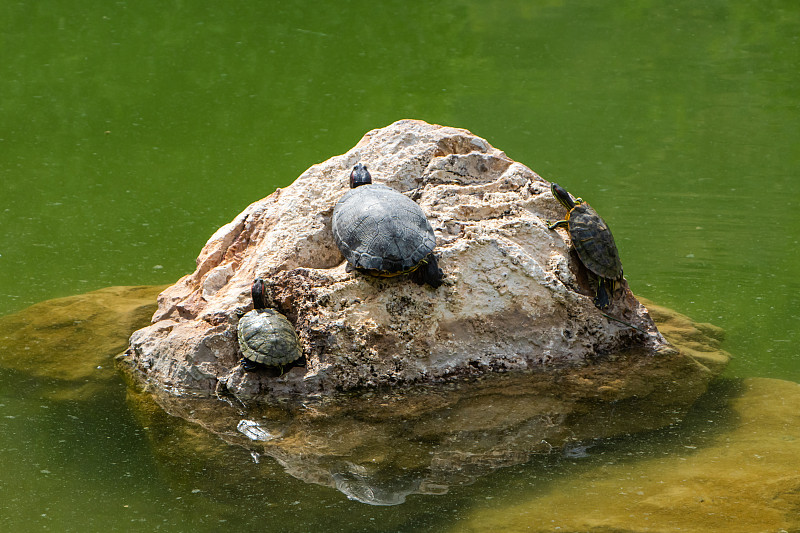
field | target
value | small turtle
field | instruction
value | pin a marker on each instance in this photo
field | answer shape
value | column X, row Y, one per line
column 592, row 241
column 384, row 233
column 265, row 336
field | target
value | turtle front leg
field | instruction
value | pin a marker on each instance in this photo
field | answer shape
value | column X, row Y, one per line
column 559, row 224
column 428, row 272
column 248, row 365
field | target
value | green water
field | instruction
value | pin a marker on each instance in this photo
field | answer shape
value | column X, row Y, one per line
column 130, row 131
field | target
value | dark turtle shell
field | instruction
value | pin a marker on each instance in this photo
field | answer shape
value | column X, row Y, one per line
column 381, row 231
column 268, row 338
column 594, row 243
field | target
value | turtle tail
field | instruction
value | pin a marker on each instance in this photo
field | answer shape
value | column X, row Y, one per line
column 428, row 272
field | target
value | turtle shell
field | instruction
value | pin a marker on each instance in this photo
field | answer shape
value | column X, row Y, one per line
column 381, row 231
column 267, row 337
column 594, row 243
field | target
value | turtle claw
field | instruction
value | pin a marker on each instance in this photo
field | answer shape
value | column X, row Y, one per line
column 248, row 365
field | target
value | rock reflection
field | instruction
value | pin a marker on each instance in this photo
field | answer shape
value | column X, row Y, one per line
column 253, row 430
column 374, row 488
column 378, row 447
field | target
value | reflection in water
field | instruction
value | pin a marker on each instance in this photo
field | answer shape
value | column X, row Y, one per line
column 253, row 430
column 383, row 488
column 379, row 446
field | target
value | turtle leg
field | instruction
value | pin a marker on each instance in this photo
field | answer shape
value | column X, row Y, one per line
column 428, row 272
column 601, row 301
column 559, row 224
column 248, row 365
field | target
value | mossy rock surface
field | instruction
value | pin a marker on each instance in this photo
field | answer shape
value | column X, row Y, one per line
column 701, row 340
column 744, row 478
column 73, row 340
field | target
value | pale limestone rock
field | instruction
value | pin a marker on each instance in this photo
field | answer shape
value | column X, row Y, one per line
column 513, row 299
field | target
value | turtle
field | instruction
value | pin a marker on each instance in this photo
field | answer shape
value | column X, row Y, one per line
column 266, row 337
column 593, row 242
column 384, row 233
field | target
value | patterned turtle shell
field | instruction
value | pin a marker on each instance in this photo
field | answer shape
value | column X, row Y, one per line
column 381, row 231
column 594, row 243
column 268, row 338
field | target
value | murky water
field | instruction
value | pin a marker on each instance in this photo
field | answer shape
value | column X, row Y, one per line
column 129, row 132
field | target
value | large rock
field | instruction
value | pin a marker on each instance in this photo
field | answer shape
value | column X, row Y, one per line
column 514, row 297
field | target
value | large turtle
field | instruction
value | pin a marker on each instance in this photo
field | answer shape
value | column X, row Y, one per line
column 592, row 241
column 266, row 337
column 384, row 233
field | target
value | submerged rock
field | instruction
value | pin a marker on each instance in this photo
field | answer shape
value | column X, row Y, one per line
column 700, row 340
column 513, row 298
column 743, row 478
column 72, row 341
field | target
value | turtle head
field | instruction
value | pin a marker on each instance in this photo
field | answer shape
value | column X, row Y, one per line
column 257, row 292
column 359, row 176
column 562, row 196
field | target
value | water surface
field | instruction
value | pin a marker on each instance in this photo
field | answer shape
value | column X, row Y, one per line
column 129, row 132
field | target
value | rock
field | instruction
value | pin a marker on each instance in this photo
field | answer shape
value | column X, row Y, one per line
column 72, row 341
column 513, row 299
column 743, row 479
